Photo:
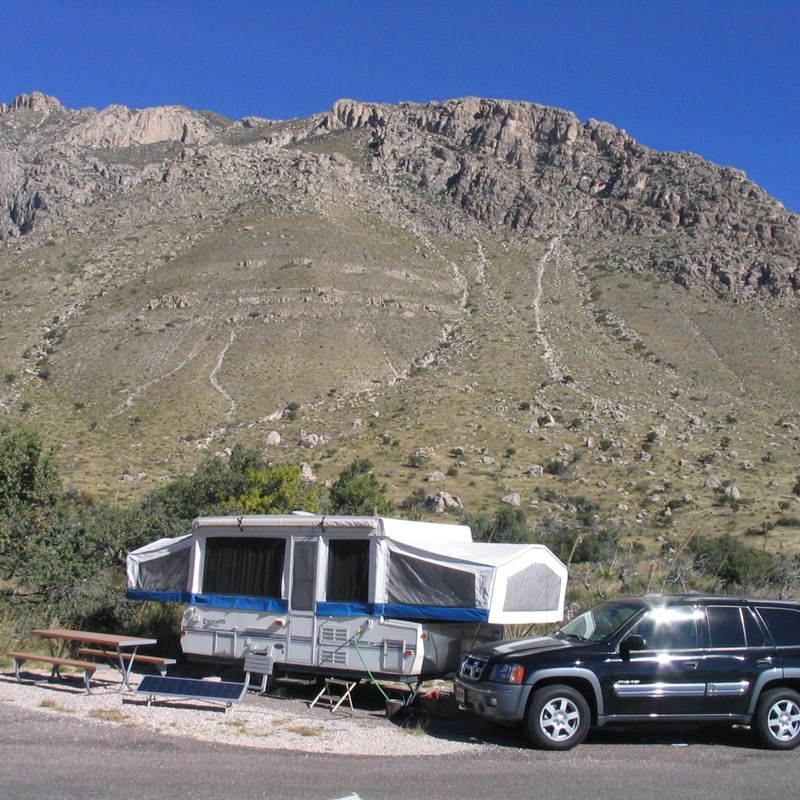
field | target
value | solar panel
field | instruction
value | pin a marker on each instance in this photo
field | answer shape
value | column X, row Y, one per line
column 192, row 689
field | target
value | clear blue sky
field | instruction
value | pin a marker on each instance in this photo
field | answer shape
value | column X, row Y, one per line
column 720, row 79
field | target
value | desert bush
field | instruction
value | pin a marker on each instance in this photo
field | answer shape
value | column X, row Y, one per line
column 357, row 491
column 506, row 525
column 555, row 466
column 731, row 562
column 414, row 504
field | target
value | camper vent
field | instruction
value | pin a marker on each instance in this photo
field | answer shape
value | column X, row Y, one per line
column 333, row 658
column 330, row 634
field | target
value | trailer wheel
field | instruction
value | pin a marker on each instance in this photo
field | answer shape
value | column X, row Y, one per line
column 558, row 718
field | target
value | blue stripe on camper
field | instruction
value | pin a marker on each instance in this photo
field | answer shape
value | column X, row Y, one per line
column 347, row 609
column 402, row 611
column 278, row 606
column 273, row 604
column 159, row 597
column 433, row 612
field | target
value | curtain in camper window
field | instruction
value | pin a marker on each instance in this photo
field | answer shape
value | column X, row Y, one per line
column 348, row 571
column 252, row 567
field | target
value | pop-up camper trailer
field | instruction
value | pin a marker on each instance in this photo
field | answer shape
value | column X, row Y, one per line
column 345, row 596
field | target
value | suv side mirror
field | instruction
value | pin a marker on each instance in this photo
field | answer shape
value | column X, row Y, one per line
column 630, row 644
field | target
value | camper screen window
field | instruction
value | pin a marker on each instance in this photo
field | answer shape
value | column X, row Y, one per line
column 244, row 566
column 348, row 571
column 413, row 581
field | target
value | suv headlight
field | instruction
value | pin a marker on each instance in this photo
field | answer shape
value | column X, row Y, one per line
column 507, row 673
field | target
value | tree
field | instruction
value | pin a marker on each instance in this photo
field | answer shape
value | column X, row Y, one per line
column 28, row 476
column 731, row 562
column 278, row 490
column 357, row 491
column 210, row 489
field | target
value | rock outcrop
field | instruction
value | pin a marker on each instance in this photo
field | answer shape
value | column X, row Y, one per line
column 541, row 170
column 529, row 169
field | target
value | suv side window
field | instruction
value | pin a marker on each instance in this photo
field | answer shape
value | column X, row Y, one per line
column 669, row 629
column 783, row 625
column 725, row 626
column 755, row 633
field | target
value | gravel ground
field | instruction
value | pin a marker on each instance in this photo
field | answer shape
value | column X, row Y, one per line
column 281, row 721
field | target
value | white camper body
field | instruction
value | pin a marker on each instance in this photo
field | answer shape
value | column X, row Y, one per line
column 350, row 596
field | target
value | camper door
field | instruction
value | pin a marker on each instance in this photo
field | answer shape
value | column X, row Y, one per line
column 301, row 628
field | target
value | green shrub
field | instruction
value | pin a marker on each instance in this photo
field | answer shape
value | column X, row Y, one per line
column 357, row 491
column 731, row 562
column 555, row 466
column 507, row 525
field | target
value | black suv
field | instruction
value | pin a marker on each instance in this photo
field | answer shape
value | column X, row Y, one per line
column 676, row 658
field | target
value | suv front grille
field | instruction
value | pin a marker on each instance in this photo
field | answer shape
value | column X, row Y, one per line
column 472, row 668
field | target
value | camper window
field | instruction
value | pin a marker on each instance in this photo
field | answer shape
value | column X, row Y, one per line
column 304, row 572
column 348, row 571
column 413, row 581
column 251, row 567
column 536, row 586
column 165, row 574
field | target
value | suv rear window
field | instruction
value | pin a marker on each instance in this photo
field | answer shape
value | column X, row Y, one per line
column 783, row 625
column 725, row 626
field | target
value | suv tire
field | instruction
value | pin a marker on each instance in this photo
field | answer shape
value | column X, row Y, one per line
column 558, row 718
column 777, row 719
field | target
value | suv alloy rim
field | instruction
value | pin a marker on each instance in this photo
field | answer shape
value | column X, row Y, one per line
column 783, row 720
column 560, row 719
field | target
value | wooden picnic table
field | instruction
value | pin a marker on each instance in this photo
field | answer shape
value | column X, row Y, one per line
column 121, row 646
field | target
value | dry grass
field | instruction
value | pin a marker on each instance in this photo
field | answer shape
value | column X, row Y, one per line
column 304, row 730
column 393, row 333
column 52, row 705
column 108, row 715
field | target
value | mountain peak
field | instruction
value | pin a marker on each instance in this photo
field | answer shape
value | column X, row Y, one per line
column 35, row 101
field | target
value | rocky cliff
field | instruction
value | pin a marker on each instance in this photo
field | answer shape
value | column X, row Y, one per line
column 544, row 171
column 520, row 166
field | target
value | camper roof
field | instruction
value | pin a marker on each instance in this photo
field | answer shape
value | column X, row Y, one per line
column 398, row 529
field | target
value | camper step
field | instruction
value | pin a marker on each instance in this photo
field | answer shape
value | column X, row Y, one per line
column 328, row 697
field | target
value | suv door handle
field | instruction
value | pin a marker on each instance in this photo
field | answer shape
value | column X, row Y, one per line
column 691, row 664
column 764, row 662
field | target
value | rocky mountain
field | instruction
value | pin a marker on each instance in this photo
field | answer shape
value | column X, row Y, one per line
column 493, row 297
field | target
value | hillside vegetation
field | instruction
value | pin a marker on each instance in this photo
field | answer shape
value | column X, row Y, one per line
column 496, row 305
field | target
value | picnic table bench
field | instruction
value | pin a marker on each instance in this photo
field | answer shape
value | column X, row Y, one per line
column 57, row 662
column 110, row 657
column 119, row 647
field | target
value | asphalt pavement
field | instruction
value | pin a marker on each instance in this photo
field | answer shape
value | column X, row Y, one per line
column 53, row 756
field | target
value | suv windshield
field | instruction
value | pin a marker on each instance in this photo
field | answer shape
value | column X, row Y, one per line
column 600, row 622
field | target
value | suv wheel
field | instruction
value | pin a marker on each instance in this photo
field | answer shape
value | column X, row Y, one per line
column 558, row 718
column 777, row 719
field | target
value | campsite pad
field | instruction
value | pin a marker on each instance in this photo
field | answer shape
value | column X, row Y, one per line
column 280, row 721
